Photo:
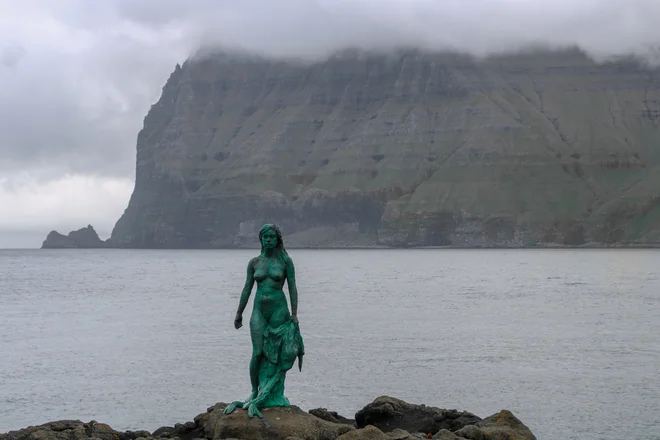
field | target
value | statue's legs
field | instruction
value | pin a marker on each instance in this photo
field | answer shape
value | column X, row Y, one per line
column 266, row 377
column 257, row 329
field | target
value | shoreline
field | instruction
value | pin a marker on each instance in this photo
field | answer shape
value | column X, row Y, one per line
column 385, row 418
column 376, row 247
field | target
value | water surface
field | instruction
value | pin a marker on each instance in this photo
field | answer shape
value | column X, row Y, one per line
column 138, row 339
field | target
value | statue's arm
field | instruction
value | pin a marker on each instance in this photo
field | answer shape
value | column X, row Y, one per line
column 293, row 290
column 247, row 288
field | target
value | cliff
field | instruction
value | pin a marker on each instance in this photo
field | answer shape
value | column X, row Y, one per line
column 84, row 238
column 403, row 149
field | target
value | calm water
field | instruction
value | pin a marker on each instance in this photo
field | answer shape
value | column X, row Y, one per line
column 567, row 340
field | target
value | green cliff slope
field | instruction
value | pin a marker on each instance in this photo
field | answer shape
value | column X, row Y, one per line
column 406, row 149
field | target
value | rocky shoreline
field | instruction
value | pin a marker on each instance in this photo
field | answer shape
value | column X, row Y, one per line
column 386, row 418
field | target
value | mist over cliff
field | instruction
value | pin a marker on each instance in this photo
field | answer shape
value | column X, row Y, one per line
column 399, row 148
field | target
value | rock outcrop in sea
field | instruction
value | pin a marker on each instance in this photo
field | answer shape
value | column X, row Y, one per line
column 83, row 238
column 386, row 418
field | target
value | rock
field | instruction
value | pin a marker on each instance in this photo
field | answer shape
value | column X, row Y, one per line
column 445, row 434
column 367, row 433
column 388, row 414
column 64, row 430
column 470, row 432
column 164, row 431
column 180, row 431
column 400, row 434
column 330, row 416
column 102, row 431
column 130, row 435
column 277, row 424
column 501, row 426
column 83, row 238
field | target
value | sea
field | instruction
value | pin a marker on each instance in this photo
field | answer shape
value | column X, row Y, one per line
column 568, row 340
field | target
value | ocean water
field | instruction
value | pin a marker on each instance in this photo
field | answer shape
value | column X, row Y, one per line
column 568, row 340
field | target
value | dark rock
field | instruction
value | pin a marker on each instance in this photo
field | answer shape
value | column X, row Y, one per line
column 132, row 435
column 277, row 424
column 445, row 434
column 55, row 240
column 164, row 431
column 188, row 431
column 64, row 430
column 186, row 427
column 501, row 426
column 330, row 416
column 366, row 433
column 388, row 414
column 84, row 238
column 400, row 434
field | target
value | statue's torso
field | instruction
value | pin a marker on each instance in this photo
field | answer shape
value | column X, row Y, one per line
column 270, row 275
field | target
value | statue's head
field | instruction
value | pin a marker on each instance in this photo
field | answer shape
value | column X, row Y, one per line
column 270, row 237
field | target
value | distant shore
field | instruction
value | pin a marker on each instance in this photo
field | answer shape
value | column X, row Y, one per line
column 87, row 238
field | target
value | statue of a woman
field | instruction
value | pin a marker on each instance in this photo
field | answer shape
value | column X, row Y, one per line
column 276, row 339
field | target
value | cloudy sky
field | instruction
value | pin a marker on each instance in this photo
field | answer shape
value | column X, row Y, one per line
column 78, row 76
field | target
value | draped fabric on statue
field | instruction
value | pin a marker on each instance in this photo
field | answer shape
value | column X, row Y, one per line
column 281, row 347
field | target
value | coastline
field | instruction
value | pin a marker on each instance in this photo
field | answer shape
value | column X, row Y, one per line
column 591, row 246
column 385, row 418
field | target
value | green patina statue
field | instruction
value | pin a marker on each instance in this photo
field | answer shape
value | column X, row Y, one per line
column 276, row 338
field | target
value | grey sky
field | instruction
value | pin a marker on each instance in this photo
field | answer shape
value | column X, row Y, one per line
column 78, row 76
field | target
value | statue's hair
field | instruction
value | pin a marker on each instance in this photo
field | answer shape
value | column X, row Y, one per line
column 280, row 252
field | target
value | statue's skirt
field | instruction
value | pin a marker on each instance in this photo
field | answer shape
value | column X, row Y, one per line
column 281, row 346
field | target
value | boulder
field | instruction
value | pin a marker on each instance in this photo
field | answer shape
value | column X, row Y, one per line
column 330, row 416
column 388, row 413
column 367, row 433
column 277, row 424
column 501, row 426
column 66, row 430
column 400, row 434
column 372, row 433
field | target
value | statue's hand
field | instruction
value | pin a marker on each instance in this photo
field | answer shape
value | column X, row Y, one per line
column 238, row 321
column 294, row 319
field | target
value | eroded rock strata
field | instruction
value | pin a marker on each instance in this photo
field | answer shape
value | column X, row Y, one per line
column 401, row 149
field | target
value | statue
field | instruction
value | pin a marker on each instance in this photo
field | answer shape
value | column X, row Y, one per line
column 275, row 334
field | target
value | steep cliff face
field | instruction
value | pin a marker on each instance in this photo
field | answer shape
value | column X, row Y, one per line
column 403, row 149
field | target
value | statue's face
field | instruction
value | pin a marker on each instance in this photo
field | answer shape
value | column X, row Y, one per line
column 269, row 239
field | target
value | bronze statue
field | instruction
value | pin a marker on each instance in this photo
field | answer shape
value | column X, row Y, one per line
column 276, row 338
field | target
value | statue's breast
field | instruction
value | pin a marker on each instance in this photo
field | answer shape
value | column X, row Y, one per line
column 274, row 272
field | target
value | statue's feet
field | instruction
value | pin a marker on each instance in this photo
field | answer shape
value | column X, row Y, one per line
column 253, row 411
column 232, row 406
column 250, row 399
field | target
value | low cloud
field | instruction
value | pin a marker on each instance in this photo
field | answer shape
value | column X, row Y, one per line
column 32, row 209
